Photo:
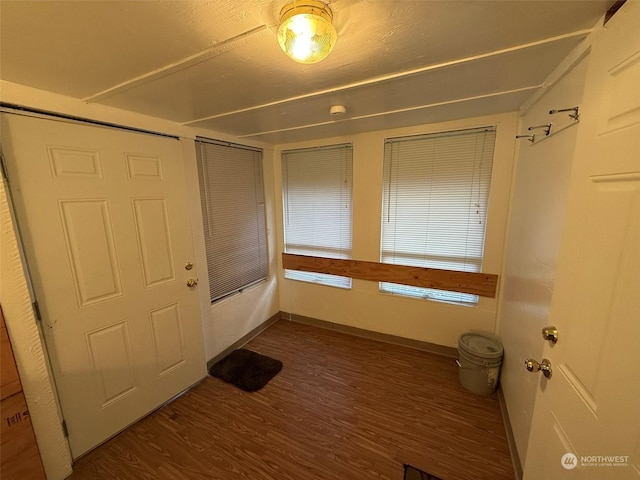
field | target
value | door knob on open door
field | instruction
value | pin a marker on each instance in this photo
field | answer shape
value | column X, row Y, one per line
column 533, row 366
column 192, row 282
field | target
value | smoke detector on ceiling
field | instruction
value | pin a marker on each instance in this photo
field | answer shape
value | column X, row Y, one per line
column 337, row 110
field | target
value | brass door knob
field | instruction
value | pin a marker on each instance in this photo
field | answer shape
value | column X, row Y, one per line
column 192, row 282
column 535, row 366
column 551, row 334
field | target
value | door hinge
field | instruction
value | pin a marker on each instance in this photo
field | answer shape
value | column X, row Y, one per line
column 64, row 428
column 36, row 310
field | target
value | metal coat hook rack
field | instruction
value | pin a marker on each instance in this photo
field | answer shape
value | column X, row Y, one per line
column 531, row 137
column 547, row 128
column 575, row 115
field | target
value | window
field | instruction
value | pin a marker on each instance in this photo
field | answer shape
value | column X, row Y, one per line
column 233, row 213
column 316, row 188
column 435, row 196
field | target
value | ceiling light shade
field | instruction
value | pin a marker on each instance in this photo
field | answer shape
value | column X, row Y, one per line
column 306, row 33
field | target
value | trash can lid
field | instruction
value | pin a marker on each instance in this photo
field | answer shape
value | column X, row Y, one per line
column 480, row 345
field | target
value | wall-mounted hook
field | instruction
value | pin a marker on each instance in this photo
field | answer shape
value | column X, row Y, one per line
column 547, row 128
column 531, row 138
column 575, row 115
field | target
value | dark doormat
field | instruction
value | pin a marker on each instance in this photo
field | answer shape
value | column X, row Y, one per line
column 412, row 473
column 245, row 369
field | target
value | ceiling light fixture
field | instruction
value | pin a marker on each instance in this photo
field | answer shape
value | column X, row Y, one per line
column 306, row 33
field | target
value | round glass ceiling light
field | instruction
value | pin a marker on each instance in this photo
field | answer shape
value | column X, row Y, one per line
column 306, row 33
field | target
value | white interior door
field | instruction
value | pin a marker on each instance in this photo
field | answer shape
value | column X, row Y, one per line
column 104, row 217
column 590, row 407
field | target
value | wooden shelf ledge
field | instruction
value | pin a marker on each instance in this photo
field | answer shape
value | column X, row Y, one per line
column 483, row 284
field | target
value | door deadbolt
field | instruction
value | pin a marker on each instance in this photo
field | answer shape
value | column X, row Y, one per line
column 533, row 366
column 550, row 334
column 192, row 282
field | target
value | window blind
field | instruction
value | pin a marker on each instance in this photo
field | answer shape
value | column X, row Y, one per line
column 233, row 213
column 316, row 185
column 435, row 197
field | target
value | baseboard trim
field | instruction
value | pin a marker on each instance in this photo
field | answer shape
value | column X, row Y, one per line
column 381, row 337
column 245, row 339
column 515, row 459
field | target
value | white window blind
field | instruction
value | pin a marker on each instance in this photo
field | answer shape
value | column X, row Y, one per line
column 233, row 213
column 435, row 196
column 316, row 188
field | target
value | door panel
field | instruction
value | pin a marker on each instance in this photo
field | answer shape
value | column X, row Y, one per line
column 141, row 167
column 111, row 359
column 87, row 230
column 590, row 407
column 168, row 338
column 105, row 219
column 74, row 162
column 154, row 240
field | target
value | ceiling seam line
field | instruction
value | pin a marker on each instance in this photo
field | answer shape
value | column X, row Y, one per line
column 202, row 56
column 394, row 76
column 401, row 110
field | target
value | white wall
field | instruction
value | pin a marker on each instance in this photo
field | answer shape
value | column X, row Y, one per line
column 364, row 306
column 223, row 322
column 537, row 213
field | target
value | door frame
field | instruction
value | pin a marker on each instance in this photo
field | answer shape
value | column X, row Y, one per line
column 18, row 300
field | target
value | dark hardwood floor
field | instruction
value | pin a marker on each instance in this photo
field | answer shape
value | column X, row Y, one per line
column 342, row 407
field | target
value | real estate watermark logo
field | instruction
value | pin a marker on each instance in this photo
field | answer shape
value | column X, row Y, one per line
column 569, row 461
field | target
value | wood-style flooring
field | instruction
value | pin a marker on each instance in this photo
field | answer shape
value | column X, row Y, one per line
column 342, row 407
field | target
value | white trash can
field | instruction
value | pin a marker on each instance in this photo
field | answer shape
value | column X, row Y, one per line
column 479, row 361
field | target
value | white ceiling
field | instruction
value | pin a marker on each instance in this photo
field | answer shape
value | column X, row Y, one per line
column 217, row 65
